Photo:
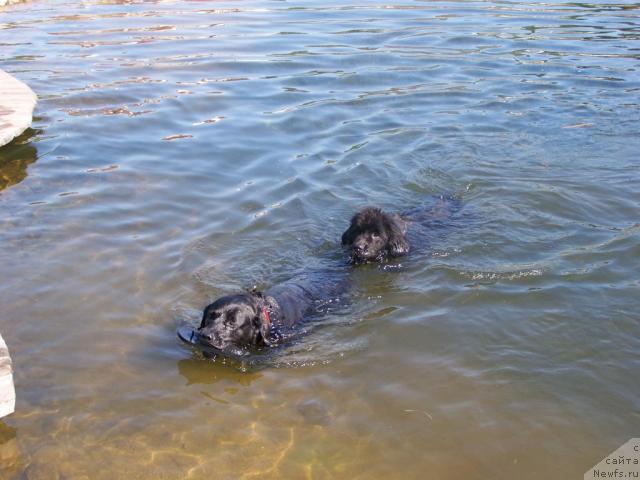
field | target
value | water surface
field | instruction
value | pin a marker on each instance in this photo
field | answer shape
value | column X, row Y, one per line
column 186, row 150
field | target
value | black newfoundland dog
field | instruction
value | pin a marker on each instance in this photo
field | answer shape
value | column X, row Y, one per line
column 242, row 323
column 375, row 235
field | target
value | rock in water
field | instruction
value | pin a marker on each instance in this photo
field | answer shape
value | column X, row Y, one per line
column 17, row 102
column 7, row 392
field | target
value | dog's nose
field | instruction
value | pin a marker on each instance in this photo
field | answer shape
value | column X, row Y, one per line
column 207, row 336
column 360, row 248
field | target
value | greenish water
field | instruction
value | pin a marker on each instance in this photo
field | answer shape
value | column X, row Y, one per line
column 186, row 150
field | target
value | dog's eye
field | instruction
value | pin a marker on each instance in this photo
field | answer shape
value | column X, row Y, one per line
column 375, row 235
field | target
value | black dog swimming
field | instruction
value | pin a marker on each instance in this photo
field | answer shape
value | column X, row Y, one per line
column 242, row 323
column 374, row 235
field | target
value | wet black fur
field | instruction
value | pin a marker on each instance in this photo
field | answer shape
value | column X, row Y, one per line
column 236, row 322
column 374, row 235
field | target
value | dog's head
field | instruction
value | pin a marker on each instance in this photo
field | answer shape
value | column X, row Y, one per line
column 235, row 322
column 374, row 235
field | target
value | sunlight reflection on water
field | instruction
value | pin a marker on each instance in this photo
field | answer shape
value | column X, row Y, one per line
column 185, row 150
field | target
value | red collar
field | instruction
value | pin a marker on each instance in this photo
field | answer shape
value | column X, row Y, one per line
column 267, row 317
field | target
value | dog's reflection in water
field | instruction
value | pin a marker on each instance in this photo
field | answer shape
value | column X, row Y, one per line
column 207, row 373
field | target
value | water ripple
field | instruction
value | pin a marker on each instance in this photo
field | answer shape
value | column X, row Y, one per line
column 185, row 150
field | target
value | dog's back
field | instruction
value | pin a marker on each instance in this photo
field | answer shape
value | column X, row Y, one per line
column 305, row 295
column 434, row 213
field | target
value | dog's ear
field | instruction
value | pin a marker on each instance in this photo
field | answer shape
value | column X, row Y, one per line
column 262, row 331
column 262, row 319
column 397, row 243
column 205, row 315
column 350, row 234
column 398, row 246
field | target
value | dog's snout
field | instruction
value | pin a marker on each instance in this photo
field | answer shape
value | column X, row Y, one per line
column 206, row 336
column 361, row 247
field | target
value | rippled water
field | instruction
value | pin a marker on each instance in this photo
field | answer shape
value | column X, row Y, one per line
column 185, row 150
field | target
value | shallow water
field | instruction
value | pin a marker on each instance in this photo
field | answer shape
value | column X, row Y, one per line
column 185, row 150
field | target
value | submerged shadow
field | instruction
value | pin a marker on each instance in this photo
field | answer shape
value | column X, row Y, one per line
column 199, row 371
column 11, row 462
column 15, row 158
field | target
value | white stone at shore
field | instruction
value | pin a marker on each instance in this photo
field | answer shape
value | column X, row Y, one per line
column 17, row 102
column 7, row 391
